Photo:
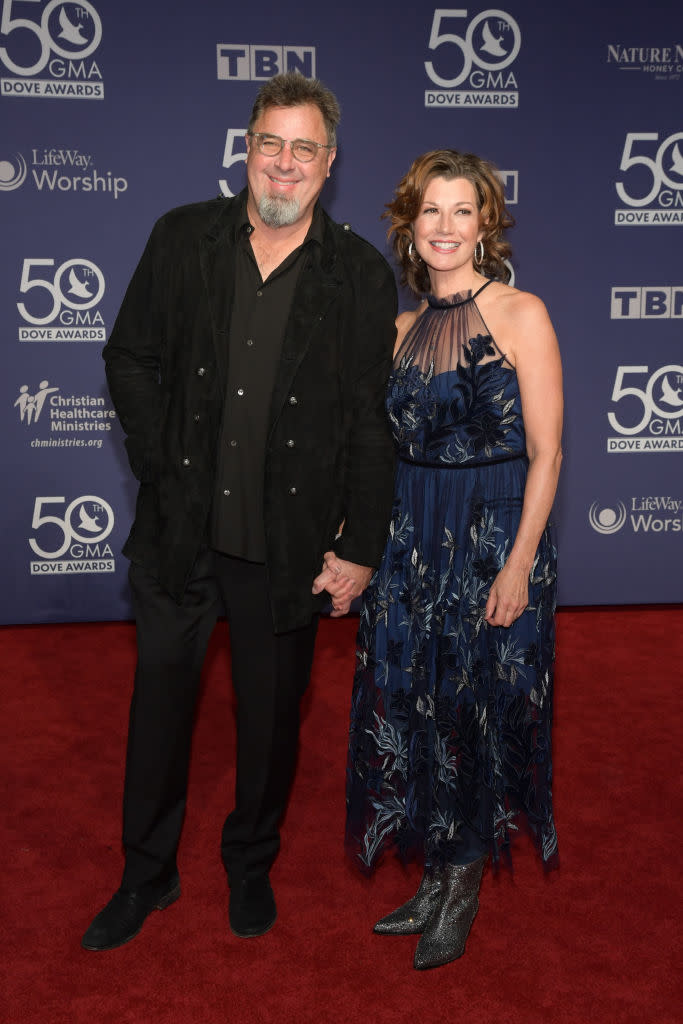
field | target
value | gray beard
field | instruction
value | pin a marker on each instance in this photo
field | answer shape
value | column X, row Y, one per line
column 278, row 211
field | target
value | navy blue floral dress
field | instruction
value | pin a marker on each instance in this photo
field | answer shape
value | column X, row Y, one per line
column 450, row 720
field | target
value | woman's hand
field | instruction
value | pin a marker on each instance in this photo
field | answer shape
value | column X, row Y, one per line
column 508, row 597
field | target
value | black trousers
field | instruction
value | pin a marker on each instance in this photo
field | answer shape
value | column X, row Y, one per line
column 270, row 673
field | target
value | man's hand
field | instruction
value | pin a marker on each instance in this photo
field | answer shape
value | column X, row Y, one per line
column 343, row 581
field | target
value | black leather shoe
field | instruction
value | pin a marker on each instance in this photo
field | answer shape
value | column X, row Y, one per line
column 252, row 907
column 125, row 914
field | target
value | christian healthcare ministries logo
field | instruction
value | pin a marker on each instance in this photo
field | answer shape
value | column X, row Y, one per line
column 79, row 532
column 646, row 514
column 256, row 62
column 647, row 302
column 60, row 170
column 664, row 63
column 50, row 54
column 63, row 303
column 650, row 417
column 652, row 186
column 63, row 416
column 480, row 60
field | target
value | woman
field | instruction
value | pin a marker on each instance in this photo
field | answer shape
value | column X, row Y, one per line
column 451, row 710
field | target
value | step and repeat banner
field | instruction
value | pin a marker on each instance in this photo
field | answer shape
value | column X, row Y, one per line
column 113, row 111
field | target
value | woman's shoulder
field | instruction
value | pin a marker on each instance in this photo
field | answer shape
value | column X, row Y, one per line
column 512, row 304
column 517, row 320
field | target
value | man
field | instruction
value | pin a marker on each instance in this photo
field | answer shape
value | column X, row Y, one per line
column 248, row 366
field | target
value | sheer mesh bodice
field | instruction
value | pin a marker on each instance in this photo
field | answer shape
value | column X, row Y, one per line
column 453, row 398
column 437, row 344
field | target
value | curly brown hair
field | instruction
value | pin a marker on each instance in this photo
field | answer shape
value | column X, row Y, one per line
column 405, row 206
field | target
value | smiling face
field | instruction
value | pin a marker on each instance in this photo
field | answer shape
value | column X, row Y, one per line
column 446, row 231
column 282, row 190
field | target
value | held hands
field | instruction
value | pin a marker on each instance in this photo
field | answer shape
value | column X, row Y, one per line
column 343, row 581
column 508, row 597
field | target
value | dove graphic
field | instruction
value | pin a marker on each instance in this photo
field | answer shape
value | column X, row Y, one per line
column 72, row 33
column 77, row 287
column 87, row 522
column 491, row 44
column 677, row 160
column 670, row 395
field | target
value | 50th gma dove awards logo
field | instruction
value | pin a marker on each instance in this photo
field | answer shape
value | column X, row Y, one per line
column 651, row 184
column 61, row 301
column 59, row 169
column 48, row 49
column 649, row 417
column 645, row 514
column 477, row 56
column 65, row 418
column 77, row 531
column 235, row 153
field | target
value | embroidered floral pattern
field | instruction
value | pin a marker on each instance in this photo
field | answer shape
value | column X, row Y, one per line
column 451, row 718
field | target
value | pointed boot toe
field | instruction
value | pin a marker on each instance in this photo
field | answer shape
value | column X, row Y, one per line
column 411, row 917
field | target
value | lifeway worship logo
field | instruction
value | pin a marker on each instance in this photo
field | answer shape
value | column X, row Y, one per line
column 79, row 531
column 479, row 59
column 63, row 302
column 652, row 182
column 650, row 414
column 647, row 302
column 664, row 63
column 68, row 416
column 57, row 63
column 60, row 170
column 645, row 514
column 256, row 62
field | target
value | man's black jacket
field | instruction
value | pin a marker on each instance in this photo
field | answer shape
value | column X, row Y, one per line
column 166, row 365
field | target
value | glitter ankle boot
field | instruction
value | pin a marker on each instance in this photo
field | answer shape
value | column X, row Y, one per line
column 444, row 936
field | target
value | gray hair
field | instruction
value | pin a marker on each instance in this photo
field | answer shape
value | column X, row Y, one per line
column 291, row 89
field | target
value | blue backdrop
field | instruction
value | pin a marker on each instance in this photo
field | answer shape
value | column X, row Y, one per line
column 113, row 111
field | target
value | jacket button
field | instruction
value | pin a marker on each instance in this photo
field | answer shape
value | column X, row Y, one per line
column 292, row 490
column 293, row 400
column 196, row 417
column 200, row 371
column 290, row 443
column 186, row 461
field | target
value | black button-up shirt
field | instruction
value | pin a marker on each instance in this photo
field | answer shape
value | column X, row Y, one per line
column 257, row 329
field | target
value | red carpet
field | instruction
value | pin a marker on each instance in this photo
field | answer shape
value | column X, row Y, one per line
column 594, row 942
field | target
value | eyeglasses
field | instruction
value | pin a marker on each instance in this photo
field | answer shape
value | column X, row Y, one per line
column 303, row 150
